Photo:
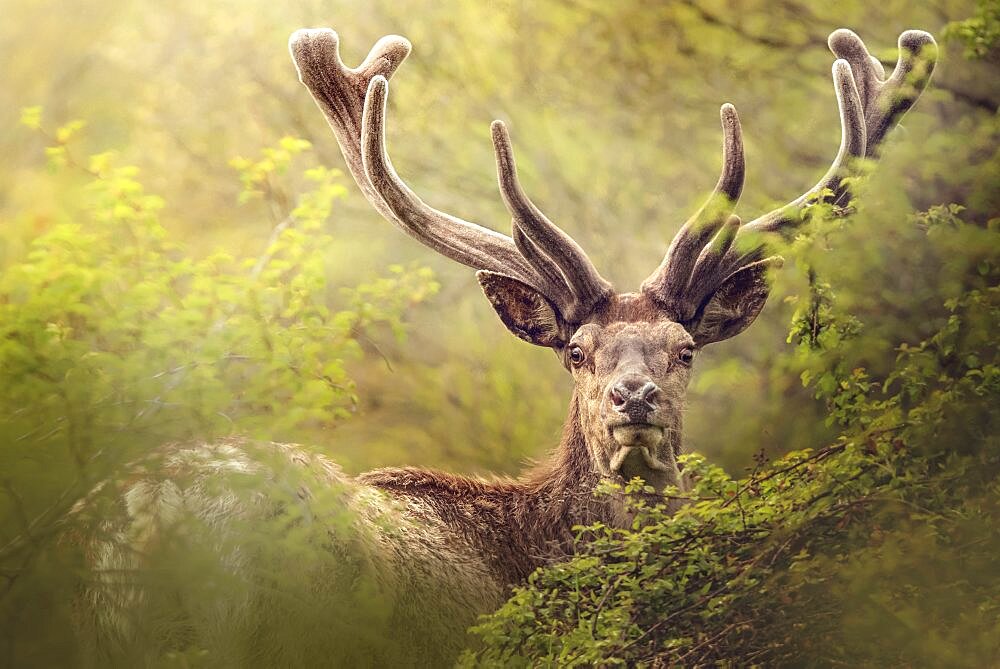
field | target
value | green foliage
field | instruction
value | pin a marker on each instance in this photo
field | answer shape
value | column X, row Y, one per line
column 256, row 175
column 115, row 339
column 216, row 343
column 618, row 144
column 877, row 550
column 981, row 33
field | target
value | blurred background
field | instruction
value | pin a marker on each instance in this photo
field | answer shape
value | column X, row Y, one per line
column 613, row 110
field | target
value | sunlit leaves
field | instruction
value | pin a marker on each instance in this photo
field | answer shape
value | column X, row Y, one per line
column 115, row 338
column 257, row 175
column 31, row 117
column 66, row 132
column 620, row 158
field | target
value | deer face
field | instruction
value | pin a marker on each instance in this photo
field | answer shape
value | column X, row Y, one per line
column 631, row 379
column 631, row 363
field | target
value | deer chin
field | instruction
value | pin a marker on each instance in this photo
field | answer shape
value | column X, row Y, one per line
column 637, row 452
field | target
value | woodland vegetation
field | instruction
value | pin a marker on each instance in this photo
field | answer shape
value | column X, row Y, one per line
column 182, row 258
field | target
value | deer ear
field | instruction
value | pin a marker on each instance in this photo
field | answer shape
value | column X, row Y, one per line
column 523, row 309
column 735, row 304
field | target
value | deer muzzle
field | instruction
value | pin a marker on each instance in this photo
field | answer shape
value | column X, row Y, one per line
column 634, row 397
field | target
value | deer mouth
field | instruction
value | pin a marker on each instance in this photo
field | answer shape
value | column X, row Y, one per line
column 637, row 445
column 629, row 435
column 635, row 461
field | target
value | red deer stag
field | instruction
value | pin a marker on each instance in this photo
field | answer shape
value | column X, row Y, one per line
column 443, row 548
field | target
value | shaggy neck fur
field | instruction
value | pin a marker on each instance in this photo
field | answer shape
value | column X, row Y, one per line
column 517, row 525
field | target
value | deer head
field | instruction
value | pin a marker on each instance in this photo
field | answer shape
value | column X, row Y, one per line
column 630, row 354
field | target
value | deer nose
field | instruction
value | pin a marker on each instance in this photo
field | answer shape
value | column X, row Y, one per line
column 634, row 396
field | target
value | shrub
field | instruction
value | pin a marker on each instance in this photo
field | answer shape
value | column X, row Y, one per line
column 115, row 340
column 877, row 550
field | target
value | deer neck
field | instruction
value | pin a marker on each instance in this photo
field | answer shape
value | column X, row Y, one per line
column 562, row 492
column 518, row 525
column 573, row 468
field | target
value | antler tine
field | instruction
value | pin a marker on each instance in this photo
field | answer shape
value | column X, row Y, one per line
column 882, row 102
column 705, row 275
column 853, row 144
column 886, row 100
column 669, row 283
column 353, row 101
column 559, row 253
column 464, row 242
column 339, row 91
column 554, row 282
column 869, row 105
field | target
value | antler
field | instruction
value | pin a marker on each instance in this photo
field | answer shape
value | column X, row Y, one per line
column 582, row 287
column 875, row 105
column 354, row 103
column 669, row 283
column 713, row 247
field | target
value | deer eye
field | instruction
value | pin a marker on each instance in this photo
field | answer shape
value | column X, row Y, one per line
column 686, row 355
column 576, row 355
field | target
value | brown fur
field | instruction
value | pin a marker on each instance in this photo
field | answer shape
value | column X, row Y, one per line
column 518, row 525
column 442, row 548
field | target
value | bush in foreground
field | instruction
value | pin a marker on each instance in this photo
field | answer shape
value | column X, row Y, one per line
column 878, row 550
